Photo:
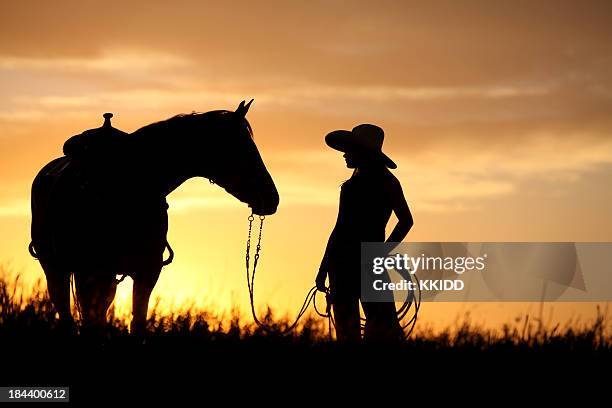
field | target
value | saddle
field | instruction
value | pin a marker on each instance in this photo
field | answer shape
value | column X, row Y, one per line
column 93, row 158
column 96, row 142
column 95, row 162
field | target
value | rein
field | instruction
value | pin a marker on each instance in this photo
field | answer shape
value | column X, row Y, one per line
column 250, row 276
column 311, row 296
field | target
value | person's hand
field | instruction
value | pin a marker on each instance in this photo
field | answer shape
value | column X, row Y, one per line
column 320, row 282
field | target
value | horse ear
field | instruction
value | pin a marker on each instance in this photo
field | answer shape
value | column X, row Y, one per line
column 247, row 106
column 243, row 109
column 240, row 108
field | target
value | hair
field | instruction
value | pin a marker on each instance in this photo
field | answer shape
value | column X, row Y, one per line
column 189, row 119
column 378, row 165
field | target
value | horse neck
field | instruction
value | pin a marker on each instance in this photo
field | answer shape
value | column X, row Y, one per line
column 164, row 159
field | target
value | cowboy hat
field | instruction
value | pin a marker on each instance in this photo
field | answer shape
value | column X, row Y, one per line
column 363, row 138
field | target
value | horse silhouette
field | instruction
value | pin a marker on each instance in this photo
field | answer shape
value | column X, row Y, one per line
column 100, row 210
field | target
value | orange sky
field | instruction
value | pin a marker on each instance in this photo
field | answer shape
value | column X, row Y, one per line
column 497, row 113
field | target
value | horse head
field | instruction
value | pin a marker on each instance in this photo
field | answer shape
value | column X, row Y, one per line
column 242, row 172
column 217, row 145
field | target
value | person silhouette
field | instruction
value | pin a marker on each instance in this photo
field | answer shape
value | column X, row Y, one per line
column 367, row 199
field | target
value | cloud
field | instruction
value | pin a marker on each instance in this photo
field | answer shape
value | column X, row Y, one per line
column 15, row 208
column 145, row 80
column 115, row 60
column 476, row 100
column 390, row 43
column 450, row 177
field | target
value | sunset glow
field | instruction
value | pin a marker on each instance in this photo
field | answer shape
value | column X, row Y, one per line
column 501, row 125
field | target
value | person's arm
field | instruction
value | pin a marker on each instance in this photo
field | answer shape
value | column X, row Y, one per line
column 401, row 210
column 323, row 268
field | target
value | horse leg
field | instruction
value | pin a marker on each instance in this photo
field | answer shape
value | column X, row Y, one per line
column 152, row 225
column 144, row 282
column 95, row 293
column 58, row 285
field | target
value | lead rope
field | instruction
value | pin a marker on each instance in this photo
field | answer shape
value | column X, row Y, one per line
column 311, row 296
column 250, row 276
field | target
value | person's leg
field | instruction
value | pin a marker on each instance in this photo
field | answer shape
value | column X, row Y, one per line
column 382, row 324
column 346, row 317
column 345, row 303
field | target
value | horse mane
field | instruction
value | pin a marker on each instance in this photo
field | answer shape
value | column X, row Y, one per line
column 192, row 121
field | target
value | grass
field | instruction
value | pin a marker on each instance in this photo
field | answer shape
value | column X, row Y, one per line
column 28, row 315
column 34, row 351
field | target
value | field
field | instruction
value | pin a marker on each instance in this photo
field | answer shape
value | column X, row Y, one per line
column 188, row 346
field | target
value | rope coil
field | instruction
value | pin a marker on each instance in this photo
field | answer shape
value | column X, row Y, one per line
column 312, row 293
